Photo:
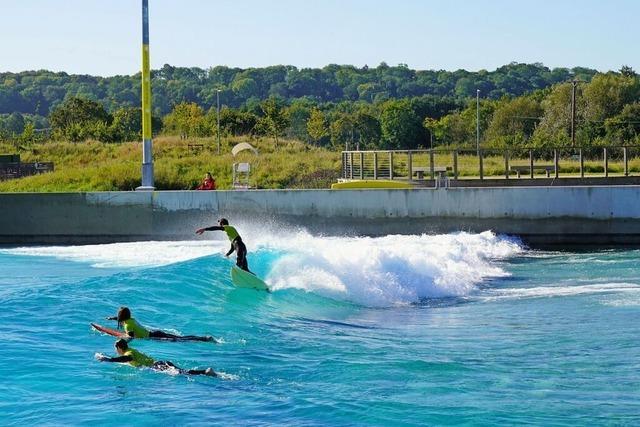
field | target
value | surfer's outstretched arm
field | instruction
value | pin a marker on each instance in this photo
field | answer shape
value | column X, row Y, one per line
column 119, row 359
column 212, row 228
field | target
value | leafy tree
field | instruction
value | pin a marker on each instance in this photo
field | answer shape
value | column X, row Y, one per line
column 127, row 124
column 317, row 126
column 275, row 119
column 186, row 119
column 514, row 121
column 342, row 131
column 400, row 126
column 76, row 119
column 625, row 127
column 234, row 122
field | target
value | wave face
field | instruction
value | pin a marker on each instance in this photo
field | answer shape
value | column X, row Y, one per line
column 381, row 271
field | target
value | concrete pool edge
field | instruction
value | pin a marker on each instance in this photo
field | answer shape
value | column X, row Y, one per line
column 581, row 215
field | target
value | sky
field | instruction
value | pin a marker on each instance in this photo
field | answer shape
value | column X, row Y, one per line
column 103, row 37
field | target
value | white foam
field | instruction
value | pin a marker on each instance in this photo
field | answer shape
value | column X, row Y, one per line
column 378, row 271
column 388, row 270
column 134, row 254
column 561, row 291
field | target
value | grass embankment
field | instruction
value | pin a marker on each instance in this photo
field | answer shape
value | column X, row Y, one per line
column 96, row 166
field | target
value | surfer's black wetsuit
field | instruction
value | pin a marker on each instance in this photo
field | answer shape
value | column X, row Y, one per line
column 237, row 245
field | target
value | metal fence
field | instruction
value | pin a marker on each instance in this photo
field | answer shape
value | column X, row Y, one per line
column 11, row 170
column 531, row 163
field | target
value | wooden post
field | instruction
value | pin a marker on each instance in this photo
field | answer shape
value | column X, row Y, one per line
column 625, row 154
column 506, row 164
column 361, row 165
column 480, row 155
column 555, row 163
column 410, row 164
column 531, row 163
column 431, row 164
column 390, row 164
column 581, row 155
column 455, row 164
column 375, row 165
column 606, row 162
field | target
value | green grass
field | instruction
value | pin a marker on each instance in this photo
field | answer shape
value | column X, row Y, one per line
column 95, row 166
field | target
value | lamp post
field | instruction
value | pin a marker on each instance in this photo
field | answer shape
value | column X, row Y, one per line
column 147, row 158
column 574, row 84
column 478, row 121
column 218, row 116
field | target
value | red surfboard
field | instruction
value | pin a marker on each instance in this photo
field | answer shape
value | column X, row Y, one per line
column 109, row 331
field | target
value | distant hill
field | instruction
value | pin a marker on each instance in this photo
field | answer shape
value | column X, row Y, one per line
column 39, row 92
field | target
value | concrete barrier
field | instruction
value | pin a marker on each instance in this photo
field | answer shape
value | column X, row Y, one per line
column 603, row 215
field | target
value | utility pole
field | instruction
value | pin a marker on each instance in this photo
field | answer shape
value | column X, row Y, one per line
column 147, row 145
column 218, row 117
column 574, row 84
column 478, row 121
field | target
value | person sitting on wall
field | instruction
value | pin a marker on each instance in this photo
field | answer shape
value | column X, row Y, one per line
column 208, row 183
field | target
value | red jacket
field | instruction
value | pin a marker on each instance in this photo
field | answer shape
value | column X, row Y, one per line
column 207, row 184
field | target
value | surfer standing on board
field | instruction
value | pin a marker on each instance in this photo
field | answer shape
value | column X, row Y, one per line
column 137, row 359
column 236, row 242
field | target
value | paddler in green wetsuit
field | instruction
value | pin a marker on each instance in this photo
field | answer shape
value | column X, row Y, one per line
column 236, row 242
column 139, row 360
column 136, row 330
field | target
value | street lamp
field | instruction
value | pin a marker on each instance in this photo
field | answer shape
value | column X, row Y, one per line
column 218, row 117
column 478, row 121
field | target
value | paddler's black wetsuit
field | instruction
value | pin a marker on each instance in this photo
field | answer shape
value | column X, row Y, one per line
column 236, row 244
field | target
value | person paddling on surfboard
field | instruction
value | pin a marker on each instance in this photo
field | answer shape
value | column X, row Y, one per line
column 137, row 359
column 136, row 330
column 237, row 244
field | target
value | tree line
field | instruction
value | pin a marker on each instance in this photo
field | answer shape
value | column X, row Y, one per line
column 521, row 104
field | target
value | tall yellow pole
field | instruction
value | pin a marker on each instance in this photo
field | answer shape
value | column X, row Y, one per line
column 147, row 158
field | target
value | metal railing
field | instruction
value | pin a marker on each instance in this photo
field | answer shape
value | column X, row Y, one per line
column 531, row 163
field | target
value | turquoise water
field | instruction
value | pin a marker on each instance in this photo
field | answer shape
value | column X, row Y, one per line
column 401, row 330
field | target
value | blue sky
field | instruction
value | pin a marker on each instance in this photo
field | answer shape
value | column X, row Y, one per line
column 102, row 37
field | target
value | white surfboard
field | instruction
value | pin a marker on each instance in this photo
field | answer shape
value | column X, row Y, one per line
column 244, row 279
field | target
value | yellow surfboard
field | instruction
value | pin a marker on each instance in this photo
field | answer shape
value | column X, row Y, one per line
column 244, row 279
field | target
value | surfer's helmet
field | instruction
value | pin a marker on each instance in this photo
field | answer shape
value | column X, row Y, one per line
column 223, row 221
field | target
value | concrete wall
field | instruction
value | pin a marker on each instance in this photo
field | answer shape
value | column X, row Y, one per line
column 541, row 215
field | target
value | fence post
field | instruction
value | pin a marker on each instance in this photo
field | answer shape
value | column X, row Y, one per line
column 455, row 164
column 506, row 164
column 375, row 165
column 606, row 162
column 581, row 163
column 480, row 155
column 361, row 165
column 555, row 163
column 531, row 163
column 626, row 161
column 410, row 164
column 351, row 165
column 431, row 164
